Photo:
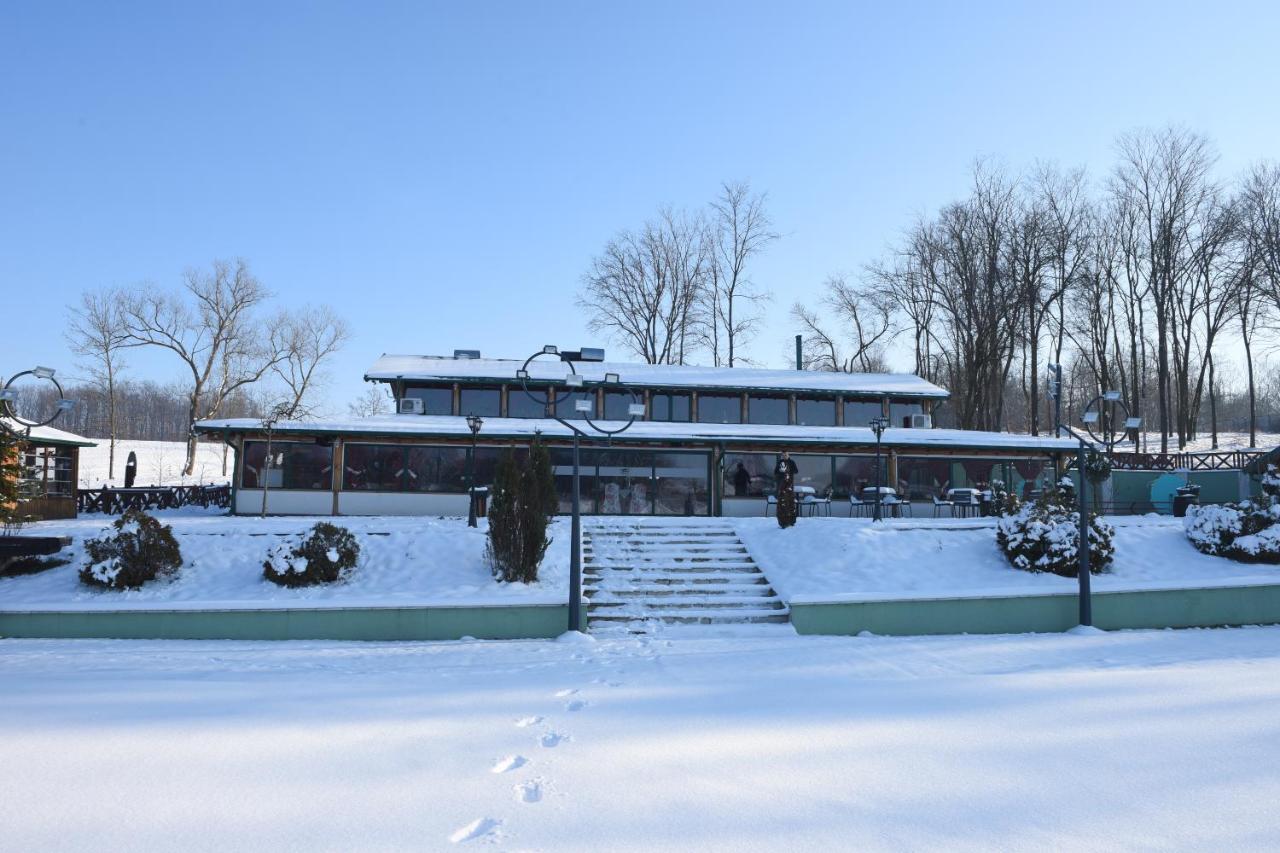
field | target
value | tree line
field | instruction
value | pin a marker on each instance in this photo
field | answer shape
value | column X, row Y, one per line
column 234, row 357
column 1154, row 280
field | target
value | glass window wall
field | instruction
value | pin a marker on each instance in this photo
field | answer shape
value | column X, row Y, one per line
column 815, row 412
column 858, row 413
column 768, row 410
column 486, row 402
column 669, row 407
column 519, row 405
column 719, row 409
column 294, row 465
column 900, row 413
column 437, row 401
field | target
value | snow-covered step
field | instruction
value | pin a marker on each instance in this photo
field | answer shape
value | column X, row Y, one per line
column 638, row 576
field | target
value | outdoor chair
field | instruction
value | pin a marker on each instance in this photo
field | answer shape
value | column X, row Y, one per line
column 939, row 504
column 857, row 507
column 770, row 502
column 815, row 506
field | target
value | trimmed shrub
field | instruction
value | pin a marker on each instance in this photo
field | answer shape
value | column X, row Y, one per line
column 1247, row 532
column 521, row 505
column 140, row 550
column 320, row 556
column 1044, row 536
column 1271, row 482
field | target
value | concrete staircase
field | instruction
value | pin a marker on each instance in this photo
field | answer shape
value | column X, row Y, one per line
column 640, row 573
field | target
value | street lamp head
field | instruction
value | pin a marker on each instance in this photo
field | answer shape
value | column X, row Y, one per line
column 1132, row 423
column 591, row 354
column 1111, row 396
column 1089, row 418
column 43, row 372
column 474, row 422
column 612, row 378
column 636, row 410
column 573, row 380
column 522, row 375
column 583, row 406
column 65, row 405
column 8, row 395
column 551, row 349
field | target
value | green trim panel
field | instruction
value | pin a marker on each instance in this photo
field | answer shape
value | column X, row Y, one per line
column 1204, row 607
column 365, row 623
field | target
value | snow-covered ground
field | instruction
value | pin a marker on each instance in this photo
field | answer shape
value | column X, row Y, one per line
column 1204, row 443
column 840, row 558
column 403, row 561
column 1162, row 740
column 159, row 464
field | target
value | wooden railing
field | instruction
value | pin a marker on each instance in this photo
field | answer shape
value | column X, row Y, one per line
column 116, row 501
column 1211, row 460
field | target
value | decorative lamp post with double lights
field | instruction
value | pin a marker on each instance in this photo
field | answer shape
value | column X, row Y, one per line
column 878, row 426
column 1107, row 421
column 575, row 384
column 474, row 422
column 9, row 401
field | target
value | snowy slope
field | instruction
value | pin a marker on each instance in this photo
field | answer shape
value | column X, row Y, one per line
column 1162, row 740
column 159, row 464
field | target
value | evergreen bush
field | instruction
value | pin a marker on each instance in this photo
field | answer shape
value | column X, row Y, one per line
column 521, row 505
column 10, row 473
column 320, row 556
column 140, row 550
column 1246, row 531
column 1044, row 535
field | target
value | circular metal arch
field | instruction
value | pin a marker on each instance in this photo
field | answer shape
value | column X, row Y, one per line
column 9, row 410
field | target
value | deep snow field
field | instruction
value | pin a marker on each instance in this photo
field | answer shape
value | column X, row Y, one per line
column 767, row 741
column 159, row 464
column 403, row 561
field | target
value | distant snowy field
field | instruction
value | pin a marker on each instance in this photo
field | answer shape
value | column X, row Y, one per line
column 159, row 464
column 1163, row 740
column 403, row 561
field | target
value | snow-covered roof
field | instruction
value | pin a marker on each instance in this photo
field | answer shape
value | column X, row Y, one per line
column 48, row 435
column 390, row 367
column 646, row 431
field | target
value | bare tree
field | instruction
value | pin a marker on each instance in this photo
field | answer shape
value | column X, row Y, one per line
column 645, row 287
column 307, row 339
column 849, row 333
column 96, row 333
column 740, row 229
column 212, row 330
column 373, row 402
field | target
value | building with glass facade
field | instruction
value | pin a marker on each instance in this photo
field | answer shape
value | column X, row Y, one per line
column 706, row 443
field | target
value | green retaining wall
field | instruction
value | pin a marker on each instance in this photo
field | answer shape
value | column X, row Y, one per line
column 363, row 623
column 1201, row 607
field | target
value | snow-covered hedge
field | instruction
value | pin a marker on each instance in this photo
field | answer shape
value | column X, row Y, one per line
column 141, row 549
column 1247, row 532
column 319, row 556
column 1271, row 482
column 1044, row 536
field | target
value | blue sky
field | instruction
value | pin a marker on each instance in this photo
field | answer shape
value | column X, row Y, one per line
column 443, row 173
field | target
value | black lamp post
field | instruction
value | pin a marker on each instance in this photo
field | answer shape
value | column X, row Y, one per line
column 574, row 383
column 878, row 426
column 9, row 399
column 474, row 422
column 1109, row 438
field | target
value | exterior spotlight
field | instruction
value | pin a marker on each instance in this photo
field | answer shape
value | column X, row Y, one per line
column 551, row 349
column 1089, row 418
column 584, row 406
column 591, row 354
column 636, row 410
column 522, row 374
column 65, row 405
column 612, row 378
column 43, row 372
column 8, row 395
column 1111, row 396
column 1132, row 423
column 573, row 380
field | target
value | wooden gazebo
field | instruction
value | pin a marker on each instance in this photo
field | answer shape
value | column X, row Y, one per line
column 49, row 462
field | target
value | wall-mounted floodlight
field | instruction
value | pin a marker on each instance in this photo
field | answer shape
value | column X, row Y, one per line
column 1132, row 423
column 43, row 372
column 584, row 406
column 591, row 354
column 551, row 349
column 1111, row 396
column 612, row 378
column 573, row 380
column 66, row 405
column 522, row 374
column 636, row 410
column 1089, row 417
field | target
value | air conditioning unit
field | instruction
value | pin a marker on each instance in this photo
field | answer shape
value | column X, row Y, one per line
column 920, row 422
column 412, row 406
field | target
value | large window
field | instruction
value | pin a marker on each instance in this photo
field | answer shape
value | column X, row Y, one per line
column 616, row 404
column 294, row 465
column 719, row 409
column 815, row 412
column 682, row 484
column 46, row 472
column 435, row 469
column 373, row 467
column 900, row 413
column 520, row 406
column 486, row 402
column 436, row 401
column 408, row 468
column 855, row 473
column 814, row 472
column 669, row 407
column 927, row 477
column 858, row 413
column 748, row 474
column 766, row 410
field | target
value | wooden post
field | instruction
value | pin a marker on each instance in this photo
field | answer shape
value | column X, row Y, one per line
column 336, row 470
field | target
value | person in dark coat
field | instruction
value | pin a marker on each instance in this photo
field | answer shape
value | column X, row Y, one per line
column 741, row 481
column 784, row 474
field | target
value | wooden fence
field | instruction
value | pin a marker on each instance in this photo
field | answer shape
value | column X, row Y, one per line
column 1212, row 460
column 116, row 501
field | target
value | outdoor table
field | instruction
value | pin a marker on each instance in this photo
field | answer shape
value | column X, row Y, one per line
column 805, row 490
